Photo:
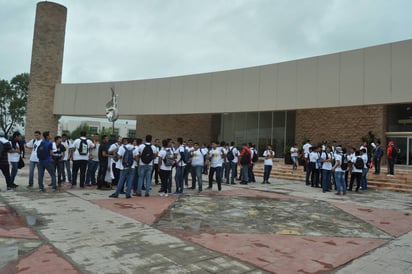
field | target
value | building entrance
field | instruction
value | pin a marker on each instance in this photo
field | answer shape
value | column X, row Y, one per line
column 404, row 145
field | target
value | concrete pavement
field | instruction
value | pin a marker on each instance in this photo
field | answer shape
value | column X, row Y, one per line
column 284, row 227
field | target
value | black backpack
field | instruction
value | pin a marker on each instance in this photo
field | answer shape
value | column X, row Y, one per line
column 230, row 155
column 83, row 147
column 42, row 151
column 359, row 163
column 344, row 162
column 127, row 159
column 169, row 158
column 245, row 160
column 255, row 157
column 147, row 154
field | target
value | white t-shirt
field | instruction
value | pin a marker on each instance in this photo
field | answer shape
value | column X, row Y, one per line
column 162, row 155
column 306, row 148
column 76, row 145
column 326, row 165
column 66, row 144
column 198, row 158
column 338, row 157
column 122, row 151
column 270, row 154
column 216, row 159
column 14, row 156
column 33, row 144
column 294, row 152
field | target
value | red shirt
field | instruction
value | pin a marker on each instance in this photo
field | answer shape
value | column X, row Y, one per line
column 243, row 153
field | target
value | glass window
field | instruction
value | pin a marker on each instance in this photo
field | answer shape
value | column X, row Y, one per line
column 400, row 118
column 131, row 133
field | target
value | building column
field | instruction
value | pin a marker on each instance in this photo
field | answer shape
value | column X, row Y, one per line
column 46, row 67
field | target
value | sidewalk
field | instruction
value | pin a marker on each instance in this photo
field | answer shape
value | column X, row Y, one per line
column 284, row 227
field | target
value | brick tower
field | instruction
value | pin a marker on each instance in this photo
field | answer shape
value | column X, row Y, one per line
column 46, row 67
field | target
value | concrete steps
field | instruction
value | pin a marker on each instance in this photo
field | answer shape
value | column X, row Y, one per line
column 401, row 182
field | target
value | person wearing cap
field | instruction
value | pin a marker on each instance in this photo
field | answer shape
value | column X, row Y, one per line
column 339, row 173
column 391, row 155
column 5, row 147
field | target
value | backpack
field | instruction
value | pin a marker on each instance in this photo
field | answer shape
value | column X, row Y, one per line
column 1, row 148
column 185, row 156
column 245, row 160
column 359, row 163
column 344, row 162
column 147, row 154
column 83, row 147
column 42, row 151
column 169, row 158
column 255, row 157
column 394, row 152
column 230, row 155
column 127, row 159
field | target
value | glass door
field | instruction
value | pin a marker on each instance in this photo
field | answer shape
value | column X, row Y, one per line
column 404, row 146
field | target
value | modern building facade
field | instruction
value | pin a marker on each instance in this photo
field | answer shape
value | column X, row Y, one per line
column 342, row 96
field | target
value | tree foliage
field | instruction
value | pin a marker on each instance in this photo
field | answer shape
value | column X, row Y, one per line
column 13, row 101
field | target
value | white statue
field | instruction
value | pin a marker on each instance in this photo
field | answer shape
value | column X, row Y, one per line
column 112, row 112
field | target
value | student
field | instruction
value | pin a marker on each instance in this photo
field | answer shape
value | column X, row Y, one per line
column 268, row 154
column 80, row 154
column 46, row 161
column 165, row 164
column 146, row 154
column 34, row 161
column 216, row 155
column 4, row 161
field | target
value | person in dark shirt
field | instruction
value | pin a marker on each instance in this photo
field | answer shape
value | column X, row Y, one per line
column 103, row 162
column 5, row 147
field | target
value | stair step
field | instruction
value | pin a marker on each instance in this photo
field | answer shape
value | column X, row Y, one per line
column 402, row 182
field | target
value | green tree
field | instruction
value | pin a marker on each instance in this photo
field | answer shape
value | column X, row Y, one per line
column 13, row 101
column 83, row 127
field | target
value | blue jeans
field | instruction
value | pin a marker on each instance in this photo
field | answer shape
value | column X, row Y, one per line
column 231, row 168
column 14, row 169
column 179, row 178
column 197, row 172
column 49, row 166
column 364, row 180
column 340, row 181
column 31, row 171
column 266, row 173
column 67, row 164
column 91, row 172
column 245, row 173
column 145, row 174
column 126, row 175
column 326, row 174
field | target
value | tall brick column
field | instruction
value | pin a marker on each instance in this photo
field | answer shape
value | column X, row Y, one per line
column 46, row 67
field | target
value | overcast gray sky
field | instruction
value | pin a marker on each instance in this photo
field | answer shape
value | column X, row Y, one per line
column 108, row 40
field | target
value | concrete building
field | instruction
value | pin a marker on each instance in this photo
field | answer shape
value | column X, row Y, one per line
column 342, row 96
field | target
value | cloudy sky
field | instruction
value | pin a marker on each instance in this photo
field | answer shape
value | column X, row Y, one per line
column 114, row 40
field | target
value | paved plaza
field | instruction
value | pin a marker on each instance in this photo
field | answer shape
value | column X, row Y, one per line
column 284, row 227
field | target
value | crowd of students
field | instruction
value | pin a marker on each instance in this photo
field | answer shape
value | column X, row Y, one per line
column 333, row 166
column 130, row 164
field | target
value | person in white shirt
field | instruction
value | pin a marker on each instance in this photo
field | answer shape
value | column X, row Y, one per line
column 93, row 162
column 34, row 161
column 113, row 158
column 197, row 166
column 146, row 154
column 268, row 154
column 126, row 155
column 231, row 170
column 339, row 173
column 294, row 155
column 365, row 170
column 356, row 172
column 79, row 153
column 306, row 152
column 216, row 155
column 67, row 144
column 165, row 166
column 180, row 165
column 14, row 156
column 155, row 170
column 326, row 159
column 313, row 167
